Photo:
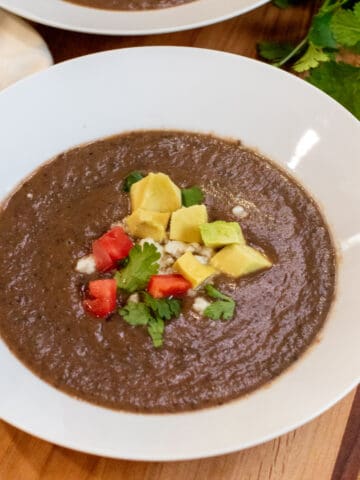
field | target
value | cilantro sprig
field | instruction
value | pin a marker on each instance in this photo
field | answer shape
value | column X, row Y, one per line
column 132, row 178
column 142, row 264
column 165, row 308
column 223, row 308
column 191, row 196
column 151, row 312
column 335, row 27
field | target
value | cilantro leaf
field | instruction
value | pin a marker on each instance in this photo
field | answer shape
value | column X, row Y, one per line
column 136, row 313
column 345, row 26
column 143, row 263
column 320, row 33
column 191, row 196
column 156, row 329
column 311, row 59
column 274, row 51
column 132, row 178
column 165, row 308
column 341, row 81
column 214, row 293
column 221, row 309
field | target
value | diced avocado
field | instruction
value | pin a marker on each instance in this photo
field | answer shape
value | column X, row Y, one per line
column 156, row 192
column 239, row 260
column 194, row 271
column 220, row 233
column 185, row 223
column 145, row 224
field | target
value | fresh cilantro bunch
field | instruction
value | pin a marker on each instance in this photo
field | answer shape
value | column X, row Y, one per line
column 334, row 28
column 152, row 312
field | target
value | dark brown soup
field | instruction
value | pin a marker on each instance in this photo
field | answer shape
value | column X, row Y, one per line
column 130, row 4
column 51, row 221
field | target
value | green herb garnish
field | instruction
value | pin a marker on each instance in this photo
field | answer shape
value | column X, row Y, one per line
column 165, row 308
column 151, row 312
column 132, row 178
column 156, row 329
column 136, row 313
column 214, row 293
column 223, row 308
column 192, row 196
column 335, row 27
column 143, row 263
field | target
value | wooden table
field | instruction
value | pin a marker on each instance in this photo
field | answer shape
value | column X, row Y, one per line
column 327, row 448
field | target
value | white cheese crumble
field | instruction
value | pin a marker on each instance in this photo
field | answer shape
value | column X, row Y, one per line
column 201, row 259
column 176, row 248
column 192, row 292
column 29, row 195
column 200, row 304
column 206, row 252
column 134, row 298
column 86, row 265
column 239, row 211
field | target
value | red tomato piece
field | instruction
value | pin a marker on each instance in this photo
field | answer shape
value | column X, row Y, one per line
column 101, row 300
column 114, row 245
column 161, row 286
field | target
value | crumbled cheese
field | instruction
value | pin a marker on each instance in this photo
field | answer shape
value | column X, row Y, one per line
column 134, row 298
column 175, row 248
column 239, row 211
column 206, row 252
column 192, row 292
column 166, row 263
column 200, row 304
column 86, row 265
column 159, row 248
column 201, row 259
column 29, row 195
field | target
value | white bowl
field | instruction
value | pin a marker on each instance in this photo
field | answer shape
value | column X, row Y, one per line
column 58, row 13
column 164, row 87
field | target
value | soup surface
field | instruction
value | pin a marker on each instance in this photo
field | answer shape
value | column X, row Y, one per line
column 130, row 4
column 51, row 221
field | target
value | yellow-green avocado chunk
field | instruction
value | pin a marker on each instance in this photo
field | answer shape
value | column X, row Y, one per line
column 157, row 193
column 147, row 224
column 239, row 260
column 194, row 271
column 185, row 223
column 220, row 233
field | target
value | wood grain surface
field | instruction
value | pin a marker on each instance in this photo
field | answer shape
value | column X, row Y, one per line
column 327, row 448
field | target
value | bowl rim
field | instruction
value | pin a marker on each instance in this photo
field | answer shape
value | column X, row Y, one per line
column 23, row 9
column 219, row 451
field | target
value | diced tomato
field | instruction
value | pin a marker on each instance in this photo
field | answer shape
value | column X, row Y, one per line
column 101, row 298
column 114, row 245
column 161, row 286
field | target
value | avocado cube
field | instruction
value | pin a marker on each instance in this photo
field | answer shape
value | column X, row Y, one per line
column 147, row 224
column 156, row 192
column 239, row 260
column 220, row 233
column 185, row 223
column 194, row 271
